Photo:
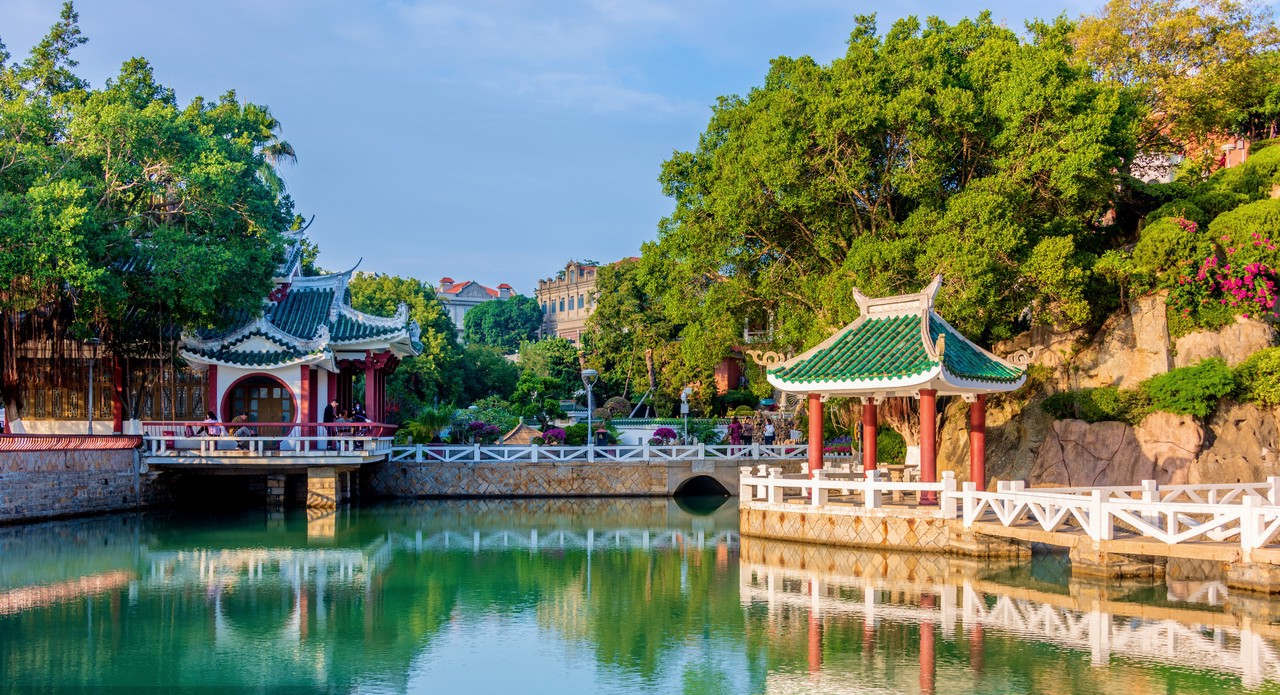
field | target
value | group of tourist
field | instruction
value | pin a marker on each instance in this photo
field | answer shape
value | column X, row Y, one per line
column 743, row 432
column 240, row 427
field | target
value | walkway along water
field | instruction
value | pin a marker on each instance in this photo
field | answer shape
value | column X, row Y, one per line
column 1109, row 531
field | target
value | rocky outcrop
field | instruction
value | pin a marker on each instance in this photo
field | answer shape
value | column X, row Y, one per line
column 1238, row 443
column 1132, row 346
column 1242, row 445
column 1233, row 343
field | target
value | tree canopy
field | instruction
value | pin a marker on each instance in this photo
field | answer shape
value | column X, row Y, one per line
column 961, row 149
column 122, row 214
column 503, row 324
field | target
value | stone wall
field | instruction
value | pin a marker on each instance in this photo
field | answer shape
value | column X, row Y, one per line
column 406, row 479
column 849, row 527
column 42, row 484
column 436, row 479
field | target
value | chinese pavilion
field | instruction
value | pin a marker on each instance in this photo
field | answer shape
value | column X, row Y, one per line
column 305, row 350
column 899, row 347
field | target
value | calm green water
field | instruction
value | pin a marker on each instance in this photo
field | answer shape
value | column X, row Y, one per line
column 555, row 596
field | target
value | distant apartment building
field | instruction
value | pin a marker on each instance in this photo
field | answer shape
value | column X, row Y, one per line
column 567, row 300
column 460, row 297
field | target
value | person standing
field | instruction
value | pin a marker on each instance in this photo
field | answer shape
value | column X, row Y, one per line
column 748, row 431
column 735, row 431
column 330, row 415
column 769, row 432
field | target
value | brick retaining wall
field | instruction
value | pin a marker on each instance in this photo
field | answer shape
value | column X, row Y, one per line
column 42, row 484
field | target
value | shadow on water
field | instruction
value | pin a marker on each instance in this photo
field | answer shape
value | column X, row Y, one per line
column 700, row 486
column 700, row 505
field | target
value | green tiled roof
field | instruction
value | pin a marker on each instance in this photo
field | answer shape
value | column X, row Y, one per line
column 963, row 360
column 891, row 348
column 887, row 348
column 347, row 329
column 302, row 312
column 251, row 358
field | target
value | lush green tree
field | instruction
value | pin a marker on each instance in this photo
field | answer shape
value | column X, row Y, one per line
column 537, row 397
column 961, row 149
column 123, row 216
column 503, row 324
column 1196, row 66
column 555, row 360
column 435, row 376
column 486, row 373
column 636, row 346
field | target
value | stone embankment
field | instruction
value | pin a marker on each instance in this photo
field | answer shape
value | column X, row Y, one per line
column 53, row 483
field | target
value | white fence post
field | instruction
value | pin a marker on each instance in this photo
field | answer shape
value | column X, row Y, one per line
column 872, row 498
column 1249, row 530
column 417, row 453
column 475, row 453
column 533, row 453
column 819, row 493
column 948, row 500
column 970, row 504
column 1273, row 490
column 1099, row 520
column 775, row 488
column 745, row 491
column 702, row 451
column 644, row 449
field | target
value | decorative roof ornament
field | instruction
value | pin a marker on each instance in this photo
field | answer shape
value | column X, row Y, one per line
column 897, row 346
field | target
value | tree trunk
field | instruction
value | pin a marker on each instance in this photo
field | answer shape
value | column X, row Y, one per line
column 903, row 416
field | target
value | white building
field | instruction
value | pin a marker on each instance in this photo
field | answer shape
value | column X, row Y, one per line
column 460, row 297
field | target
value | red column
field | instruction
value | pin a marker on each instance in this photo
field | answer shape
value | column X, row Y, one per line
column 370, row 388
column 815, row 432
column 928, row 442
column 869, row 426
column 815, row 642
column 978, row 441
column 977, row 649
column 211, row 397
column 313, row 397
column 305, row 397
column 117, row 396
column 927, row 659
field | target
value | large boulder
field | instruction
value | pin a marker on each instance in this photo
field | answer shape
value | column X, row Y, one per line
column 1132, row 346
column 1163, row 447
column 1171, row 443
column 1243, row 445
column 1233, row 343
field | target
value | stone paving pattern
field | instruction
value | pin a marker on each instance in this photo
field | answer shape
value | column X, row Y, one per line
column 41, row 484
column 799, row 523
column 435, row 479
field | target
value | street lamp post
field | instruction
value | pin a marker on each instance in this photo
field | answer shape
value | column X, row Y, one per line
column 589, row 377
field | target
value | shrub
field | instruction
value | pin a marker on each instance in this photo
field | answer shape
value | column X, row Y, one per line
column 1097, row 405
column 664, row 435
column 1171, row 246
column 1249, row 230
column 1193, row 390
column 890, row 447
column 1258, row 378
column 618, row 406
column 704, row 432
column 744, row 411
column 1180, row 208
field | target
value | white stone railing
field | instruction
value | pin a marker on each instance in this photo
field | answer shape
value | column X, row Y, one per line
column 1101, row 514
column 1246, row 513
column 285, row 445
column 870, row 491
column 539, row 453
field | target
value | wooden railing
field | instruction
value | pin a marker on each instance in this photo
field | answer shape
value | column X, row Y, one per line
column 267, row 438
column 538, row 453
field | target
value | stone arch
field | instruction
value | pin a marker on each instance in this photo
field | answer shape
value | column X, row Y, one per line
column 700, row 485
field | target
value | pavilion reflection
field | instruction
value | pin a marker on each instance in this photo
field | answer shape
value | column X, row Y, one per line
column 849, row 607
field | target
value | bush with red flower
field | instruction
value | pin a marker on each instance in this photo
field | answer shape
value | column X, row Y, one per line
column 663, row 435
column 553, row 437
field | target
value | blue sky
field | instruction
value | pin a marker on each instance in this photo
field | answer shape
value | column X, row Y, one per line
column 487, row 140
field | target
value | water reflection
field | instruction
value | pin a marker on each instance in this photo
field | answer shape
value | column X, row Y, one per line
column 991, row 627
column 564, row 596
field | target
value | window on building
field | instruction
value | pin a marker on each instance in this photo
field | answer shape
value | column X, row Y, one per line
column 580, row 304
column 562, row 304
